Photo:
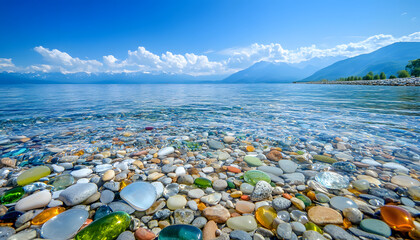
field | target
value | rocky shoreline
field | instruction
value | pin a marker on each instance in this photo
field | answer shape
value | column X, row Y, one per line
column 385, row 82
column 167, row 183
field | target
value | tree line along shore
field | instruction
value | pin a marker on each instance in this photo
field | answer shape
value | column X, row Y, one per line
column 408, row 77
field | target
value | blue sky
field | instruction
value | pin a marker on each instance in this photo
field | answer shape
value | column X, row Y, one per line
column 202, row 37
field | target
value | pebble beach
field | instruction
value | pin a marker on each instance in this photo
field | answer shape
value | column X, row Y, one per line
column 238, row 172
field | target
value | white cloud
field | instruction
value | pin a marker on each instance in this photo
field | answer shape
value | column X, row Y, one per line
column 274, row 52
column 66, row 63
column 6, row 65
column 234, row 59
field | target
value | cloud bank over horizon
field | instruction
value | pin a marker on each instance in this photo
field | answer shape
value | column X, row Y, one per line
column 233, row 59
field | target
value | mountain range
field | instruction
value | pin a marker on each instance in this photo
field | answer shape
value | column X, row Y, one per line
column 388, row 59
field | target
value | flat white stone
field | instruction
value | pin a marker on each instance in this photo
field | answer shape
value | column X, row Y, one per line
column 65, row 225
column 166, row 151
column 139, row 195
column 81, row 173
column 36, row 200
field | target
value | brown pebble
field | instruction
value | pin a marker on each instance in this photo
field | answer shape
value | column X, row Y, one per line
column 209, row 230
column 144, row 234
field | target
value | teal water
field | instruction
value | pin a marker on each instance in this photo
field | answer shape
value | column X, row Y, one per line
column 364, row 114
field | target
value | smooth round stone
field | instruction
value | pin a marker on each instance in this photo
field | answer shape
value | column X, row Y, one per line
column 281, row 203
column 370, row 179
column 108, row 175
column 180, row 231
column 245, row 207
column 284, row 231
column 103, row 168
column 332, row 180
column 32, row 175
column 265, row 215
column 59, row 228
column 361, row 185
column 36, row 200
column 407, row 202
column 139, row 195
column 323, row 215
column 220, row 184
column 106, row 228
column 288, row 166
column 397, row 218
column 63, row 181
column 78, row 193
column 107, row 196
column 405, row 181
column 395, row 166
column 12, row 195
column 261, row 191
column 166, row 151
column 414, row 193
column 320, row 197
column 375, row 226
column 179, row 171
column 371, row 162
column 298, row 227
column 253, row 161
column 81, row 173
column 239, row 235
column 176, row 202
column 202, row 182
column 271, row 170
column 46, row 215
column 245, row 223
column 354, row 215
column 246, row 188
column 195, row 193
column 341, row 203
column 121, row 207
column 254, row 176
column 212, row 199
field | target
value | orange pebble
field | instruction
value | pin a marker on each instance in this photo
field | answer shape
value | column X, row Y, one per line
column 346, row 223
column 311, row 195
column 286, row 195
column 46, row 215
column 201, row 206
column 250, row 148
column 119, row 128
column 233, row 169
column 245, row 197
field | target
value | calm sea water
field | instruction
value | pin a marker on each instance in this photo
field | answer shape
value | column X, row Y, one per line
column 378, row 114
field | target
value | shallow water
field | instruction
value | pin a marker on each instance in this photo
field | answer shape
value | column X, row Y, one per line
column 366, row 114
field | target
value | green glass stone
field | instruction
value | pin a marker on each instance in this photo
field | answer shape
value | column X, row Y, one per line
column 231, row 184
column 105, row 228
column 181, row 232
column 253, row 161
column 63, row 181
column 304, row 199
column 312, row 226
column 32, row 175
column 202, row 182
column 13, row 195
column 323, row 158
column 300, row 152
column 254, row 176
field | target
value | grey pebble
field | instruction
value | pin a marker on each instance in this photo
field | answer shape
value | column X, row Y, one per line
column 107, row 196
column 239, row 235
